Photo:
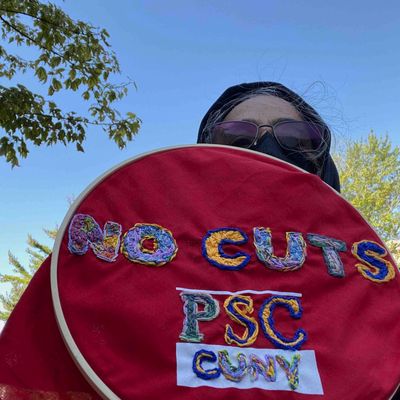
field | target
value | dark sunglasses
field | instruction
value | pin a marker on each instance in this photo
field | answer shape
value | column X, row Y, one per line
column 291, row 135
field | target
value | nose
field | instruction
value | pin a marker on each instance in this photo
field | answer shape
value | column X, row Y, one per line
column 262, row 130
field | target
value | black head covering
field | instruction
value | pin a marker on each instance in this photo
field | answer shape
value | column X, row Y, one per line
column 223, row 105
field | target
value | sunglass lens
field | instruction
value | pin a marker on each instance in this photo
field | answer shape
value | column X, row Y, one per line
column 300, row 136
column 234, row 133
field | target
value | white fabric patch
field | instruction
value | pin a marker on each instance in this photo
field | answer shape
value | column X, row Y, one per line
column 245, row 291
column 309, row 379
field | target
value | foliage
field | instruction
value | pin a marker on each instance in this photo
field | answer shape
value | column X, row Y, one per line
column 19, row 280
column 71, row 55
column 370, row 176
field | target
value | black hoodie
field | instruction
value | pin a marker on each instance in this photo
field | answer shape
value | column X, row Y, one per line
column 268, row 144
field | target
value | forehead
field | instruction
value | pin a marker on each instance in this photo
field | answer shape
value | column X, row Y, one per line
column 263, row 109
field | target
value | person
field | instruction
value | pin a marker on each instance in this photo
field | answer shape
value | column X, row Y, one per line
column 272, row 119
column 261, row 116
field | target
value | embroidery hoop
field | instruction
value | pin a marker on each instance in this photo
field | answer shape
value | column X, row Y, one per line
column 93, row 378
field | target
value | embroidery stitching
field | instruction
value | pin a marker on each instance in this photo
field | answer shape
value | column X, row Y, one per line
column 330, row 248
column 199, row 357
column 238, row 315
column 291, row 370
column 146, row 239
column 295, row 250
column 165, row 247
column 230, row 372
column 84, row 231
column 250, row 365
column 372, row 253
column 258, row 367
column 190, row 331
column 267, row 322
column 8, row 392
column 212, row 248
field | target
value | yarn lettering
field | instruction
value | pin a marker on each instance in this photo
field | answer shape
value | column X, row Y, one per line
column 239, row 308
column 154, row 245
column 208, row 365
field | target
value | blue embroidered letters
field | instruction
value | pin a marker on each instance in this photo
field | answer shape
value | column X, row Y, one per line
column 230, row 371
column 212, row 248
column 237, row 307
column 267, row 322
column 295, row 254
column 371, row 253
column 198, row 369
column 154, row 245
column 164, row 245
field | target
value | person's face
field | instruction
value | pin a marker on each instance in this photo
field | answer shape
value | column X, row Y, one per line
column 269, row 110
column 263, row 110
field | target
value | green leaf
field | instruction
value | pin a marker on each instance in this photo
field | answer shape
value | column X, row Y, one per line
column 57, row 85
column 41, row 74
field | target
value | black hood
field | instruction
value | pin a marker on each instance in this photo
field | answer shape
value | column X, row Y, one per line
column 329, row 172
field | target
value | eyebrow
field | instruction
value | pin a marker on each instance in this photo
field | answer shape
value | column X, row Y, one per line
column 273, row 122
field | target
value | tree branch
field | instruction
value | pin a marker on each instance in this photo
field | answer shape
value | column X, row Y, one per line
column 40, row 19
column 64, row 118
column 26, row 36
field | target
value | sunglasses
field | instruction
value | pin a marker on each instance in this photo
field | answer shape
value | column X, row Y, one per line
column 299, row 136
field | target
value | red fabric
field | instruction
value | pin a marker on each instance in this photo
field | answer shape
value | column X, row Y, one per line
column 126, row 317
column 34, row 363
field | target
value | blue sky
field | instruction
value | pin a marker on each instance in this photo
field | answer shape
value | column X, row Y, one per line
column 342, row 56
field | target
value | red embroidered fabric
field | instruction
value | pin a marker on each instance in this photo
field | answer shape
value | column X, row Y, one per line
column 12, row 393
column 126, row 317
